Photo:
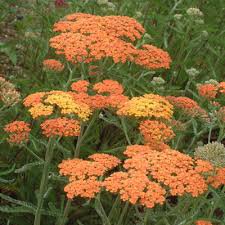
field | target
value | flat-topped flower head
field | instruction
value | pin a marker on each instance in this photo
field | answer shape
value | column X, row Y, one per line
column 83, row 174
column 179, row 172
column 207, row 91
column 62, row 127
column 52, row 64
column 213, row 152
column 41, row 110
column 33, row 99
column 108, row 87
column 153, row 130
column 135, row 188
column 87, row 38
column 147, row 106
column 80, row 86
column 203, row 222
column 188, row 106
column 18, row 132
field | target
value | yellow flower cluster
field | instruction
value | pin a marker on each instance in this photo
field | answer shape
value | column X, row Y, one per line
column 40, row 110
column 68, row 106
column 148, row 105
column 45, row 104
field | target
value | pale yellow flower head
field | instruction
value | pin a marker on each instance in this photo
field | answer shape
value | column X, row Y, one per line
column 148, row 105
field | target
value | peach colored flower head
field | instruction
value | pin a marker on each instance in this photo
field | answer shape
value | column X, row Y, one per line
column 152, row 57
column 83, row 174
column 18, row 132
column 179, row 172
column 218, row 179
column 87, row 38
column 52, row 64
column 203, row 222
column 109, row 87
column 148, row 105
column 33, row 99
column 60, row 127
column 157, row 131
column 108, row 161
column 188, row 107
column 80, row 86
column 222, row 87
column 207, row 91
column 135, row 188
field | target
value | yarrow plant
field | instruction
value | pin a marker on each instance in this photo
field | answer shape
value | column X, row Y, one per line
column 112, row 138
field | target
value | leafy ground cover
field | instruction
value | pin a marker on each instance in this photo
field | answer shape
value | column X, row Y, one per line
column 112, row 112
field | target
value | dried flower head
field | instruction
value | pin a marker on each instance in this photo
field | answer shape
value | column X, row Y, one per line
column 158, row 81
column 8, row 93
column 52, row 64
column 60, row 127
column 213, row 152
column 148, row 105
column 155, row 131
column 196, row 12
column 192, row 72
column 18, row 132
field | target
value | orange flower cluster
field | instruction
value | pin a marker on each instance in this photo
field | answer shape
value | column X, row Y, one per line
column 135, row 188
column 210, row 91
column 80, row 86
column 148, row 105
column 188, row 107
column 52, row 64
column 155, row 131
column 18, row 132
column 87, row 38
column 207, row 91
column 113, row 94
column 44, row 103
column 203, row 222
column 83, row 174
column 178, row 171
column 218, row 179
column 60, row 127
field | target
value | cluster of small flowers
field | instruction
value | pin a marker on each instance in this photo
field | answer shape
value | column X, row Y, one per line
column 211, row 89
column 18, row 132
column 189, row 107
column 8, row 93
column 84, row 174
column 44, row 103
column 54, row 65
column 87, row 38
column 108, row 94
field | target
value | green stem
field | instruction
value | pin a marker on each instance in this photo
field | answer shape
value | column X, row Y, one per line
column 44, row 181
column 81, row 137
column 125, row 130
column 123, row 213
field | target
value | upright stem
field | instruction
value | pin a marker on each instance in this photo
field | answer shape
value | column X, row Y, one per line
column 81, row 137
column 44, row 182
